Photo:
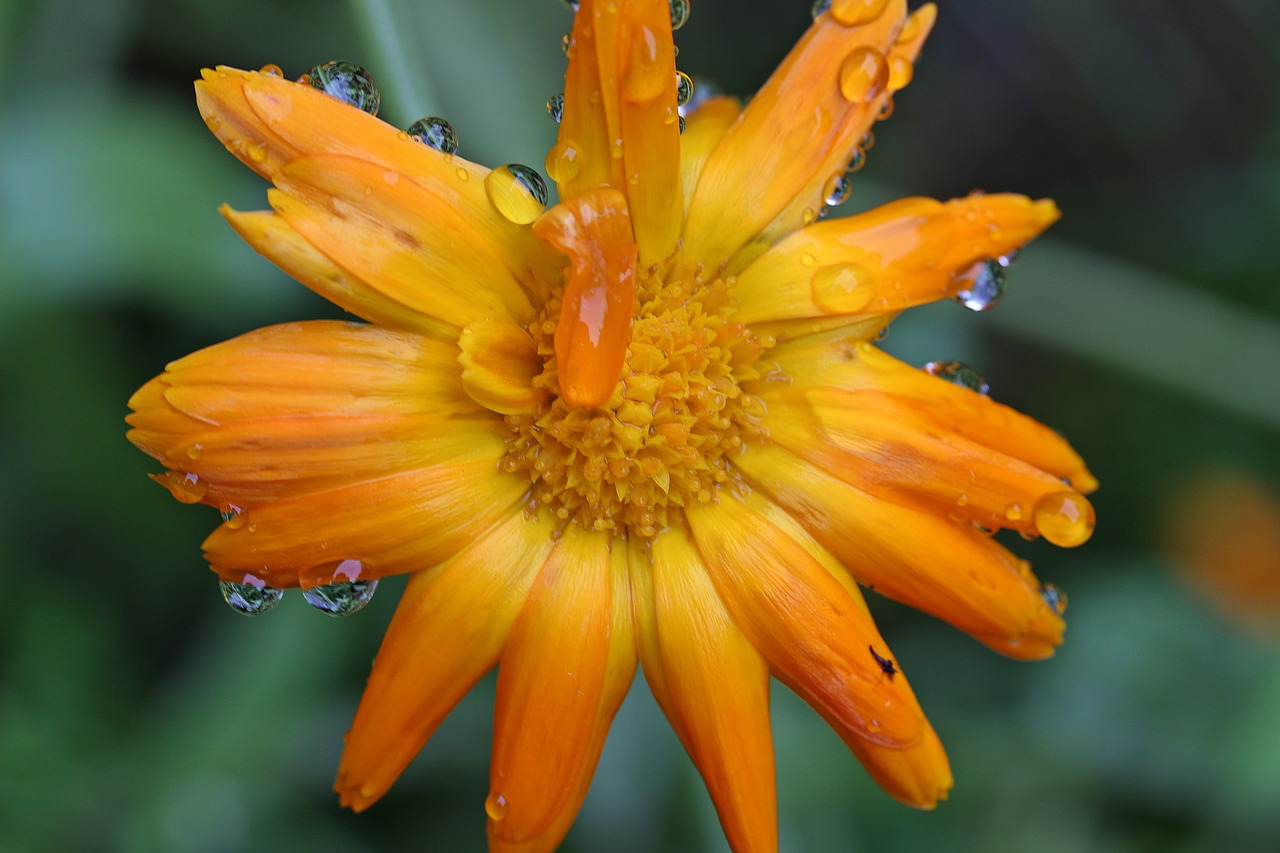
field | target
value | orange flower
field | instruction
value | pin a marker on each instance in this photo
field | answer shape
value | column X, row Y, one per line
column 646, row 425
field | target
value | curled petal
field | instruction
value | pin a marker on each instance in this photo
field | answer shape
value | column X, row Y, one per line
column 714, row 688
column 499, row 363
column 809, row 627
column 568, row 664
column 448, row 631
column 905, row 253
column 924, row 560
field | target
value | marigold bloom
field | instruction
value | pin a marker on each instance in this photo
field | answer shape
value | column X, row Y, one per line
column 644, row 426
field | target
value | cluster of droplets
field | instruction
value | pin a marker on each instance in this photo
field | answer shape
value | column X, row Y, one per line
column 336, row 589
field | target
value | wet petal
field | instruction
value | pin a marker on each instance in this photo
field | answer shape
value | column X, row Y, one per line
column 927, row 561
column 799, row 130
column 620, row 116
column 448, row 631
column 905, row 253
column 809, row 627
column 568, row 664
column 714, row 688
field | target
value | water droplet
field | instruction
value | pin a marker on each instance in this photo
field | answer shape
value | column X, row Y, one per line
column 463, row 174
column 854, row 12
column 684, row 88
column 858, row 160
column 518, row 192
column 185, row 486
column 1054, row 597
column 679, row 13
column 232, row 515
column 838, row 189
column 867, row 142
column 495, row 806
column 565, row 44
column 842, row 288
column 435, row 132
column 194, row 451
column 562, row 162
column 572, row 4
column 251, row 597
column 981, row 286
column 963, row 500
column 257, row 151
column 863, row 75
column 271, row 70
column 886, row 109
column 900, row 72
column 1013, row 512
column 555, row 107
column 348, row 82
column 682, row 124
column 958, row 373
column 338, row 588
column 1008, row 260
column 807, row 216
column 819, row 6
column 1064, row 518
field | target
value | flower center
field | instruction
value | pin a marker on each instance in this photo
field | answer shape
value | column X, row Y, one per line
column 664, row 438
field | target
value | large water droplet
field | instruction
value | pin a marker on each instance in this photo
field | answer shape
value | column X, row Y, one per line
column 900, row 72
column 854, row 12
column 842, row 288
column 252, row 597
column 348, row 82
column 518, row 192
column 495, row 806
column 435, row 132
column 679, row 13
column 838, row 189
column 338, row 588
column 863, row 75
column 186, row 486
column 1064, row 518
column 958, row 373
column 555, row 107
column 563, row 163
column 684, row 88
column 981, row 286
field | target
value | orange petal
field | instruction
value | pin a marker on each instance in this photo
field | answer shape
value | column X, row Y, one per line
column 594, row 329
column 499, row 363
column 272, row 237
column 620, row 117
column 918, row 776
column 268, row 122
column 799, row 130
column 814, row 634
column 921, row 559
column 448, row 631
column 715, row 691
column 568, row 664
column 905, row 253
column 704, row 127
column 399, row 238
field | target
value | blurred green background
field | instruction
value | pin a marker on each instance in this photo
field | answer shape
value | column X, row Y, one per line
column 138, row 713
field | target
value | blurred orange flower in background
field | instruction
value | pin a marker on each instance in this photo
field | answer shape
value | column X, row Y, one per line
column 645, row 426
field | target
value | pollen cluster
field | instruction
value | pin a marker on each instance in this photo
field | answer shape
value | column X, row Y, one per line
column 663, row 440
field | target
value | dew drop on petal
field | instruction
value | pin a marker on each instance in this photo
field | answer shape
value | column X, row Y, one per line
column 1064, row 518
column 886, row 109
column 682, row 124
column 251, row 597
column 495, row 806
column 563, row 162
column 864, row 74
column 338, row 588
column 819, row 6
column 981, row 286
column 679, row 13
column 958, row 373
column 572, row 4
column 436, row 133
column 837, row 189
column 900, row 72
column 347, row 82
column 566, row 43
column 271, row 70
column 842, row 288
column 1054, row 597
column 186, row 487
column 684, row 88
column 518, row 192
column 1013, row 512
column 555, row 107
column 850, row 13
column 858, row 160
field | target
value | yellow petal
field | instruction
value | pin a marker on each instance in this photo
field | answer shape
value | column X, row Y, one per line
column 924, row 560
column 568, row 663
column 499, row 363
column 799, row 130
column 715, row 692
column 703, row 130
column 399, row 238
column 272, row 237
column 815, row 636
column 268, row 122
column 448, row 631
column 905, row 253
column 620, row 117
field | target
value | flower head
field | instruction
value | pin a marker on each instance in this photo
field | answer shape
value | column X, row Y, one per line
column 645, row 425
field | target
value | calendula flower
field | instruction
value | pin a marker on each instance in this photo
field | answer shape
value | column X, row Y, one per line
column 645, row 425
